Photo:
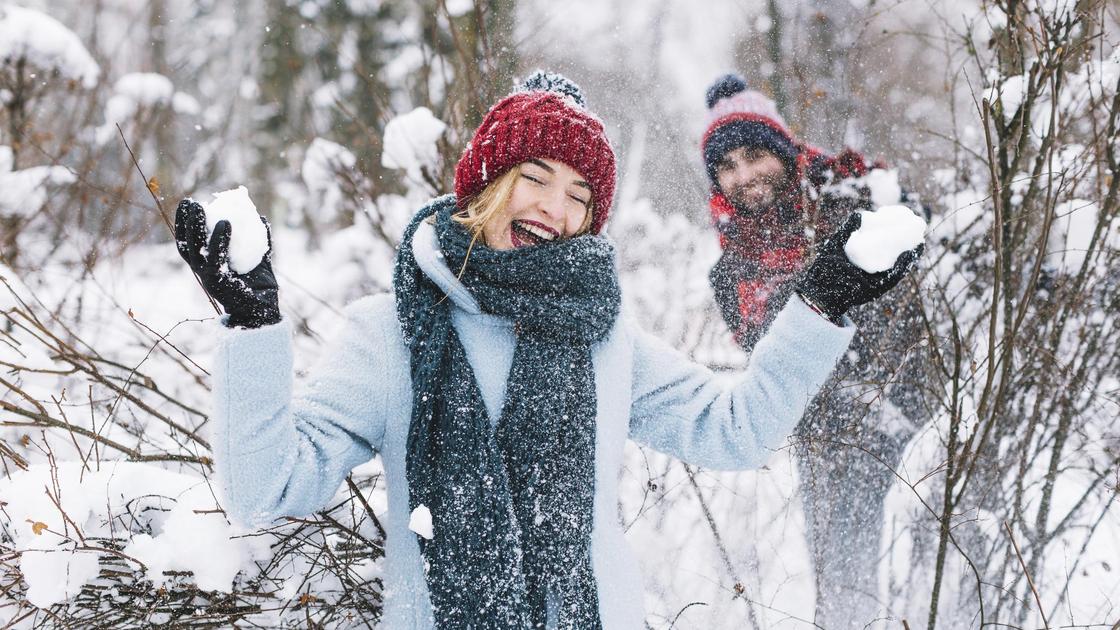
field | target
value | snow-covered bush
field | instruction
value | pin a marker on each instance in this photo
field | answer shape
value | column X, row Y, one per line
column 1007, row 494
column 108, row 514
column 39, row 58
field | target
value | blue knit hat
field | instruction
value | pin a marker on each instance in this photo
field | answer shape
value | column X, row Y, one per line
column 741, row 117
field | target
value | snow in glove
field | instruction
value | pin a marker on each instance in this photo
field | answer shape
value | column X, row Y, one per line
column 250, row 299
column 835, row 284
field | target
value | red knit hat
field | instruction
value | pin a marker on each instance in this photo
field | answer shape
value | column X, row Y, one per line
column 547, row 118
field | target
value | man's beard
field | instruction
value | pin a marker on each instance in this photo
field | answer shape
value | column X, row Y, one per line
column 752, row 200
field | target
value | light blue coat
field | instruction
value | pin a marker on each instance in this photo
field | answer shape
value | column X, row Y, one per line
column 277, row 455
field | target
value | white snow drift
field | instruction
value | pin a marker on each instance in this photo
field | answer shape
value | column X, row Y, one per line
column 410, row 141
column 188, row 532
column 45, row 44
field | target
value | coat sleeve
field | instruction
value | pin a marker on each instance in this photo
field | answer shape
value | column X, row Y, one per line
column 279, row 455
column 733, row 421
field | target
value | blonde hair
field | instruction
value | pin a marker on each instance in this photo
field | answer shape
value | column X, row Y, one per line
column 488, row 203
column 493, row 199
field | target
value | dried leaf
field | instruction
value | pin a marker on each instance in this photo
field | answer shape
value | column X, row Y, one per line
column 38, row 527
column 153, row 185
column 307, row 598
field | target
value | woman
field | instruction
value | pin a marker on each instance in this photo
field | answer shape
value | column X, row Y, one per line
column 499, row 384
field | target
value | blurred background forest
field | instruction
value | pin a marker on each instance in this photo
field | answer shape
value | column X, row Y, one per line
column 994, row 506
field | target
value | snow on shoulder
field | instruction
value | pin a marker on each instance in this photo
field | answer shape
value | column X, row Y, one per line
column 882, row 236
column 420, row 521
column 248, row 242
column 46, row 44
column 410, row 141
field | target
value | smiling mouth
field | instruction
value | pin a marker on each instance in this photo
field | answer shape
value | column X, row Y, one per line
column 526, row 233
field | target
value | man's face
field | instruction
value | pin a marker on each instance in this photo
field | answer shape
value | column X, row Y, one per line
column 751, row 178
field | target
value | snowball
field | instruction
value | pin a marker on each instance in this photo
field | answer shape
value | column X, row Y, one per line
column 882, row 236
column 46, row 44
column 884, row 187
column 410, row 141
column 248, row 238
column 421, row 521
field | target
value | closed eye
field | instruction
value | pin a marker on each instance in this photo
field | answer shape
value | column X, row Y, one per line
column 532, row 179
column 582, row 201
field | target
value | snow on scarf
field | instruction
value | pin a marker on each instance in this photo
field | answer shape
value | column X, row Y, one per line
column 511, row 507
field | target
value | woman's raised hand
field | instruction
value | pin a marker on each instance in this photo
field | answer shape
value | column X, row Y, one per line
column 250, row 299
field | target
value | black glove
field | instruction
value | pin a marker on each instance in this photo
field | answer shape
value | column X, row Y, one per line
column 250, row 299
column 834, row 284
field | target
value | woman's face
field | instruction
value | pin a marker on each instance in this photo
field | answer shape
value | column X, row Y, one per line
column 550, row 201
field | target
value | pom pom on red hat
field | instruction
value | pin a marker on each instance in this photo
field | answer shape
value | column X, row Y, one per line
column 545, row 118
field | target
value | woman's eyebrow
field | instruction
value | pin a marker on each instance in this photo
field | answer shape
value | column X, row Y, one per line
column 578, row 182
column 542, row 165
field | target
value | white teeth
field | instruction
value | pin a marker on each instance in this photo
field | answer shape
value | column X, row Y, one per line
column 540, row 233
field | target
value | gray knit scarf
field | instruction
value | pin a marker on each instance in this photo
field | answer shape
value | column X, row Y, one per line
column 512, row 507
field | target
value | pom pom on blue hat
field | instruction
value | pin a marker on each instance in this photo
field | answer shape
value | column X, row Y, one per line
column 727, row 85
column 541, row 81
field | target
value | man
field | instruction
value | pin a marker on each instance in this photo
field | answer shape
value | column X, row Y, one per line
column 771, row 199
column 761, row 182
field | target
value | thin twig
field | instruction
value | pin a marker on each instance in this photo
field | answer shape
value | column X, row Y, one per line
column 1030, row 581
